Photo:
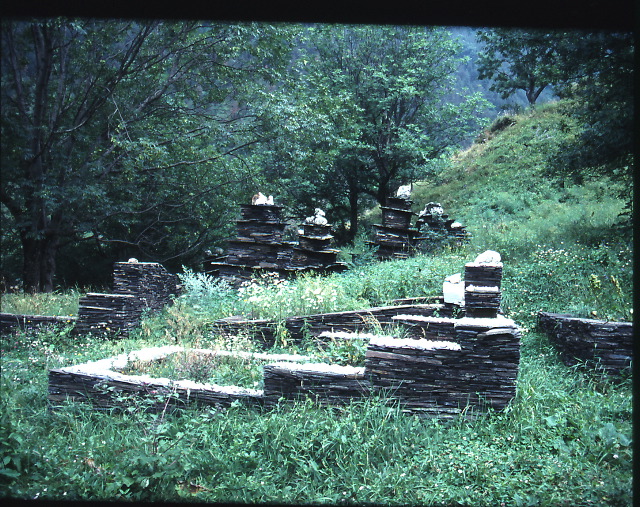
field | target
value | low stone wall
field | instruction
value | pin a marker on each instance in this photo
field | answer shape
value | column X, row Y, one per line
column 326, row 383
column 455, row 364
column 100, row 383
column 607, row 346
column 351, row 321
column 10, row 321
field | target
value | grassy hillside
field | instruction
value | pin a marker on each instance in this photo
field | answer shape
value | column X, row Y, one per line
column 502, row 189
column 562, row 242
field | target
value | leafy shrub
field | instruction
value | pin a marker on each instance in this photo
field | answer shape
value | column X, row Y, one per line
column 268, row 296
column 205, row 295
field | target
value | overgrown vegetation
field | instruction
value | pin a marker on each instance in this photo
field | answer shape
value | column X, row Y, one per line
column 566, row 439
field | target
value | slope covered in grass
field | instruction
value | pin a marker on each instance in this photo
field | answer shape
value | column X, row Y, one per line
column 562, row 242
column 505, row 192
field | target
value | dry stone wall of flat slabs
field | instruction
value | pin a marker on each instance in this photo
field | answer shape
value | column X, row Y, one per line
column 462, row 362
column 149, row 281
column 100, row 382
column 137, row 286
column 328, row 384
column 605, row 345
column 474, row 368
column 352, row 321
column 112, row 314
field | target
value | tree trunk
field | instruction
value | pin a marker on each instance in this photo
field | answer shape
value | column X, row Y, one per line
column 533, row 93
column 353, row 211
column 39, row 262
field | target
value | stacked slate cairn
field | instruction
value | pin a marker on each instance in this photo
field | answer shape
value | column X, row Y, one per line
column 259, row 246
column 313, row 251
column 482, row 279
column 433, row 218
column 604, row 346
column 395, row 238
column 448, row 365
column 138, row 286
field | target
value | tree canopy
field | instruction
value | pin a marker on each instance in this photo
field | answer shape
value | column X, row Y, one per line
column 526, row 60
column 126, row 134
column 371, row 114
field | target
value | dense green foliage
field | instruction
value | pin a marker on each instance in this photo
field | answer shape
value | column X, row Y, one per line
column 121, row 138
column 524, row 60
column 140, row 138
column 594, row 68
column 366, row 114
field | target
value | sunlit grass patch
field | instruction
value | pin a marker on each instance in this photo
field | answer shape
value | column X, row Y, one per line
column 57, row 303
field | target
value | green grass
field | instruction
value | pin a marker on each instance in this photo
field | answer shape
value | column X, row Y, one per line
column 565, row 440
column 56, row 303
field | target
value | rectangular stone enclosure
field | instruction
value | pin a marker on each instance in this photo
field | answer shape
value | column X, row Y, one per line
column 450, row 367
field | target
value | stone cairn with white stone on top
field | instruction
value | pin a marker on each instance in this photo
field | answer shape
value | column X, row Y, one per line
column 313, row 250
column 470, row 361
column 395, row 236
column 482, row 280
column 260, row 246
column 442, row 367
column 259, row 242
column 433, row 218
